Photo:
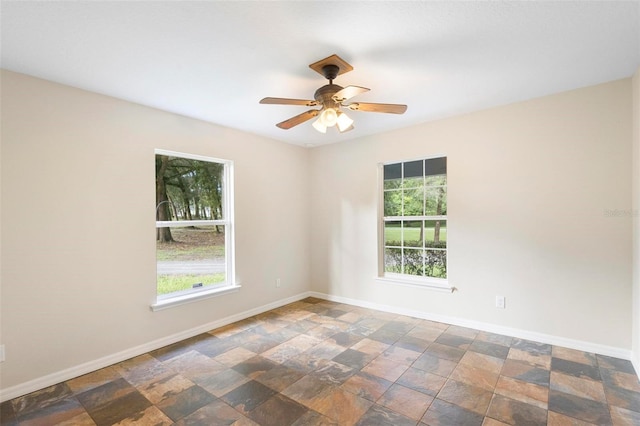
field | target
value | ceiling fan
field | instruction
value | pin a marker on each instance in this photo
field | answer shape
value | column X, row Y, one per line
column 331, row 98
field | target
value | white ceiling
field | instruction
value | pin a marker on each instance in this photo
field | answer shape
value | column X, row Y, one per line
column 214, row 60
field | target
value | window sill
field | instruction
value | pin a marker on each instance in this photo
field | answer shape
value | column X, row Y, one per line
column 435, row 285
column 183, row 299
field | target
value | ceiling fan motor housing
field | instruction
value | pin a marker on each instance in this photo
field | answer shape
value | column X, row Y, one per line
column 324, row 95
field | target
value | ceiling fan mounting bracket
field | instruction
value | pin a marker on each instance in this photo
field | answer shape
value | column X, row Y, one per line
column 333, row 62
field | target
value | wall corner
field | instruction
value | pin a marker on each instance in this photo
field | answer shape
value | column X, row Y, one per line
column 635, row 203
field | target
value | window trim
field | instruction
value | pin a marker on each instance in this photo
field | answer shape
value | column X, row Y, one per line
column 433, row 283
column 229, row 285
column 194, row 296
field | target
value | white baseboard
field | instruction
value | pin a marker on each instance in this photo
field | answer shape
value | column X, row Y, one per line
column 492, row 328
column 88, row 367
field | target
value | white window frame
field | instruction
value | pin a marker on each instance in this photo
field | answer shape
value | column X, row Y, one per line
column 229, row 285
column 432, row 283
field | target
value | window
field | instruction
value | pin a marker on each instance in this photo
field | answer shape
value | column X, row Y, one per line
column 194, row 227
column 414, row 221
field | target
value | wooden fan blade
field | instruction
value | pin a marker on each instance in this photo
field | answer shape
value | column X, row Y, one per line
column 369, row 107
column 285, row 101
column 298, row 119
column 348, row 93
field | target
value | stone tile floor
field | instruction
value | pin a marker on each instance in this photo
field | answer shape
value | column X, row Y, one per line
column 316, row 362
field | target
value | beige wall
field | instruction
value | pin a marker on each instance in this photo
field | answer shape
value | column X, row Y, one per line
column 78, row 238
column 636, row 220
column 529, row 184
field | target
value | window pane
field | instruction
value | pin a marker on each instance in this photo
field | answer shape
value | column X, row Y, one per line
column 393, row 203
column 436, row 263
column 435, row 233
column 412, row 233
column 413, row 201
column 188, row 189
column 393, row 184
column 392, row 176
column 413, row 261
column 413, row 182
column 393, row 260
column 413, row 174
column 436, row 201
column 435, row 180
column 435, row 166
column 392, row 234
column 195, row 258
column 413, row 169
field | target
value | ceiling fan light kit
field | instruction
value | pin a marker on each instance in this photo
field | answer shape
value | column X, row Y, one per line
column 319, row 126
column 331, row 97
column 329, row 117
column 344, row 122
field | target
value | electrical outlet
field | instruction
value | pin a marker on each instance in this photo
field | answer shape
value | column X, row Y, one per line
column 2, row 353
column 278, row 282
column 500, row 302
